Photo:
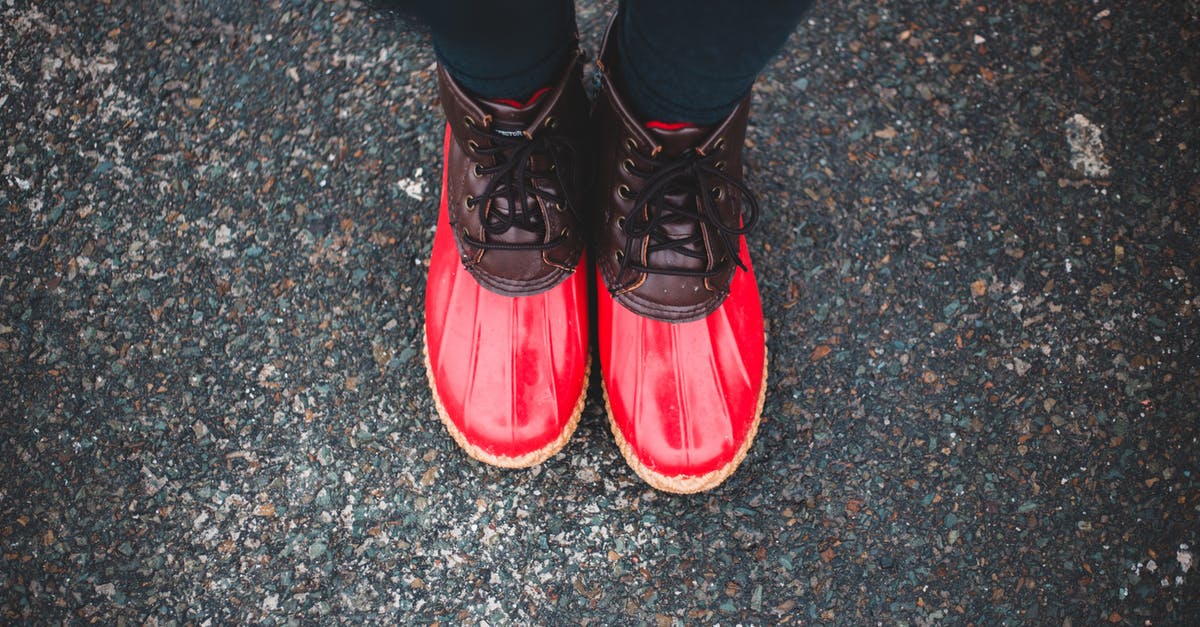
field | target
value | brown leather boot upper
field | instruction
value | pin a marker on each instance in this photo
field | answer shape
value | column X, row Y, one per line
column 512, row 183
column 673, row 206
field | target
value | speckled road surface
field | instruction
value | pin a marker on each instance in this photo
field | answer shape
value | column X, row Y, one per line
column 981, row 275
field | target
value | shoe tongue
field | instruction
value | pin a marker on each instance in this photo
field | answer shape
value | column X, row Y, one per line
column 509, row 115
column 511, row 118
column 676, row 137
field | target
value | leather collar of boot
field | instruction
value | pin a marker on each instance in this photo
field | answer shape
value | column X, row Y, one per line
column 465, row 113
column 704, row 140
column 606, row 63
column 658, row 142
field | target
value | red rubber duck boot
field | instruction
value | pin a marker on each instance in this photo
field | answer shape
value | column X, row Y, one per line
column 682, row 347
column 506, row 334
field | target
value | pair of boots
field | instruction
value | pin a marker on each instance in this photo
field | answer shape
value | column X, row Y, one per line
column 680, row 326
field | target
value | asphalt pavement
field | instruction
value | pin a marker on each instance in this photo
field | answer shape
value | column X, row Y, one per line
column 981, row 273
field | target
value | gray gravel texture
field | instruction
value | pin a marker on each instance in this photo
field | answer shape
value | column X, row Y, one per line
column 980, row 270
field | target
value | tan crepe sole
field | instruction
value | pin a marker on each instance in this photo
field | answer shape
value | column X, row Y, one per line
column 687, row 484
column 532, row 458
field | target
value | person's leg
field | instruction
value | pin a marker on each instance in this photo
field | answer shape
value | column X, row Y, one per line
column 506, row 327
column 498, row 48
column 694, row 60
column 681, row 329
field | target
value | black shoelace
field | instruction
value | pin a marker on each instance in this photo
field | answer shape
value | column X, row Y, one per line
column 690, row 174
column 512, row 179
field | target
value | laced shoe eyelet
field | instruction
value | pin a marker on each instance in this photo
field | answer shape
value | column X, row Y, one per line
column 624, row 192
column 630, row 144
column 627, row 165
column 620, row 256
column 470, row 202
column 473, row 146
column 721, row 166
column 719, row 144
column 621, row 222
column 551, row 122
column 469, row 121
column 718, row 193
column 477, row 170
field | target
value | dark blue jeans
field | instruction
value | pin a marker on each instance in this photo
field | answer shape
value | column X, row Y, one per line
column 681, row 60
